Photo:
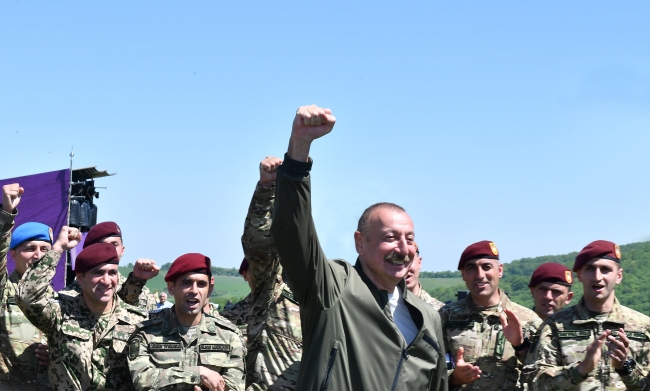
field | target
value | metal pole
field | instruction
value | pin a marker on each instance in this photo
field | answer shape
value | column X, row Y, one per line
column 70, row 185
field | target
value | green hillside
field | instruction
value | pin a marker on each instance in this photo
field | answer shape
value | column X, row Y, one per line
column 635, row 260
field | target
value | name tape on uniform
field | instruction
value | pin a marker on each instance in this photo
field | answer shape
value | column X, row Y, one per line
column 210, row 347
column 163, row 347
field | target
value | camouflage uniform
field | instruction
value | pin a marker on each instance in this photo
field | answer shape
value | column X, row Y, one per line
column 131, row 290
column 426, row 297
column 478, row 330
column 274, row 332
column 563, row 339
column 19, row 368
column 86, row 353
column 160, row 357
column 238, row 312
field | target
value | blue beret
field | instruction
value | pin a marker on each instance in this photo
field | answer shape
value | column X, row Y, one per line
column 30, row 231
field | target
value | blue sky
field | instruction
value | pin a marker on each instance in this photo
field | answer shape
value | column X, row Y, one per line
column 525, row 124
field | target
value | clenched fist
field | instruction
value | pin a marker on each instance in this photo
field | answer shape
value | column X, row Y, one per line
column 310, row 123
column 11, row 195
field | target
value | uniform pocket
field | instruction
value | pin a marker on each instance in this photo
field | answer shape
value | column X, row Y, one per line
column 214, row 359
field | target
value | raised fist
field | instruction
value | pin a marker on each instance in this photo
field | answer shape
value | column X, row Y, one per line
column 145, row 269
column 268, row 170
column 68, row 239
column 11, row 195
column 312, row 122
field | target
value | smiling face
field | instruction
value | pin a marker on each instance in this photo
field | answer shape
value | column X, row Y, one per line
column 599, row 277
column 191, row 292
column 28, row 252
column 386, row 247
column 482, row 277
column 550, row 297
column 99, row 285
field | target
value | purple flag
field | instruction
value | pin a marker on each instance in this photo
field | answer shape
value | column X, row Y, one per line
column 46, row 201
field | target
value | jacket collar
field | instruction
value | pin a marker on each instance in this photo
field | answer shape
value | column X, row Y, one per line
column 380, row 295
column 615, row 316
column 170, row 323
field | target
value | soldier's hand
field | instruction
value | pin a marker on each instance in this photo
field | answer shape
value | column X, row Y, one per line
column 310, row 123
column 211, row 379
column 11, row 195
column 68, row 239
column 511, row 327
column 618, row 348
column 145, row 269
column 592, row 354
column 42, row 354
column 269, row 170
column 464, row 373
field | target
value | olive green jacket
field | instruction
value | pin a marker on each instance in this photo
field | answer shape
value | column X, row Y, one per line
column 350, row 341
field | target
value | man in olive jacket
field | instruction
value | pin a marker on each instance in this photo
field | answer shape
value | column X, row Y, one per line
column 362, row 329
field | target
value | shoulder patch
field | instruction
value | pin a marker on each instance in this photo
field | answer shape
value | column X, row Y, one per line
column 134, row 348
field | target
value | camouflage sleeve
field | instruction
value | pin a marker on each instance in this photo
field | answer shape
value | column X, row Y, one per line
column 639, row 379
column 263, row 259
column 7, row 223
column 238, row 313
column 543, row 369
column 146, row 376
column 34, row 295
column 233, row 375
column 131, row 290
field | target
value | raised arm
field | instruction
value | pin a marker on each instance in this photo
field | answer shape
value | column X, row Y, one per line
column 34, row 293
column 143, row 270
column 11, row 195
column 293, row 231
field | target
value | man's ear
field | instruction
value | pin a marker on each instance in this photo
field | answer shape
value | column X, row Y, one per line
column 359, row 243
column 568, row 298
column 211, row 287
column 500, row 270
column 619, row 275
column 170, row 287
column 13, row 253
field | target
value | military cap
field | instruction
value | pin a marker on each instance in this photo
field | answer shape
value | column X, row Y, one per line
column 94, row 255
column 478, row 250
column 192, row 262
column 30, row 231
column 597, row 249
column 551, row 272
column 243, row 267
column 102, row 231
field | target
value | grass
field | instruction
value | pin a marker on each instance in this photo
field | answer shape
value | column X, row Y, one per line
column 432, row 283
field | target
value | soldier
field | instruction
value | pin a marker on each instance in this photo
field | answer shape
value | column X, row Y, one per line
column 183, row 348
column 21, row 344
column 131, row 288
column 550, row 286
column 87, row 333
column 274, row 333
column 570, row 354
column 413, row 281
column 484, row 331
column 238, row 313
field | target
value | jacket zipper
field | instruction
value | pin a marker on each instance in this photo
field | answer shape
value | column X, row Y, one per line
column 404, row 357
column 330, row 366
column 432, row 343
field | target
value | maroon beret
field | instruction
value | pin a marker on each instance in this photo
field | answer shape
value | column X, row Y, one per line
column 243, row 267
column 94, row 255
column 102, row 231
column 597, row 249
column 551, row 272
column 478, row 250
column 192, row 262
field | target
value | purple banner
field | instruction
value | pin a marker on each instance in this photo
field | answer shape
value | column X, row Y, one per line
column 46, row 201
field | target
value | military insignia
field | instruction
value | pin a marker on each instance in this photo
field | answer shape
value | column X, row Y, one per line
column 617, row 251
column 494, row 249
column 51, row 234
column 568, row 277
column 134, row 349
column 210, row 347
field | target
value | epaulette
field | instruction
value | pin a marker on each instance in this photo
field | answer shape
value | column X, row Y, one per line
column 134, row 309
column 222, row 322
column 150, row 321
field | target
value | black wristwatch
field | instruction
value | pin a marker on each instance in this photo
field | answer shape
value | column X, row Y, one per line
column 627, row 368
column 523, row 345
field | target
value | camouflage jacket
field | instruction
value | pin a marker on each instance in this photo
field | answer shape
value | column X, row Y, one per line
column 86, row 353
column 131, row 290
column 18, row 337
column 238, row 312
column 563, row 339
column 478, row 330
column 274, row 341
column 426, row 297
column 160, row 358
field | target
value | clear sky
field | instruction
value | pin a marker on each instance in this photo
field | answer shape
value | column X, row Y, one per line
column 518, row 122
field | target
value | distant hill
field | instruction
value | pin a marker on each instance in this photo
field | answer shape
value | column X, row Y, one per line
column 635, row 260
